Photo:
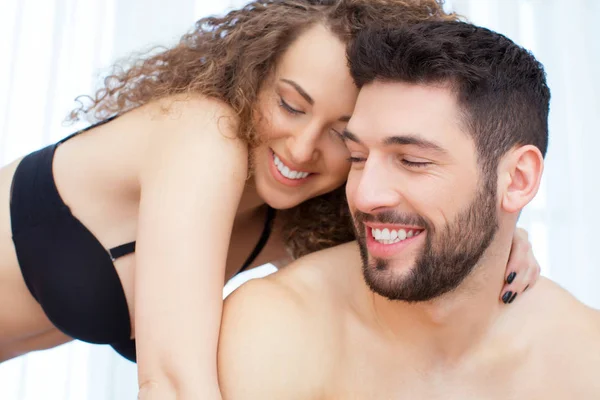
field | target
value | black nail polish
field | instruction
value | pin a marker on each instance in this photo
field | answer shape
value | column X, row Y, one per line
column 506, row 297
column 512, row 298
column 511, row 277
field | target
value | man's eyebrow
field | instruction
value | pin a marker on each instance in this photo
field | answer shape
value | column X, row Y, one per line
column 413, row 140
column 306, row 96
column 400, row 140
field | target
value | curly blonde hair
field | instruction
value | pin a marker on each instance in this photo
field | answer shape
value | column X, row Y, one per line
column 228, row 58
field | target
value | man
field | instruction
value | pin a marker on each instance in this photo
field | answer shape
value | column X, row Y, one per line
column 447, row 143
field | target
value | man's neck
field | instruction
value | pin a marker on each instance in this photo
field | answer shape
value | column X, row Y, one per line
column 450, row 328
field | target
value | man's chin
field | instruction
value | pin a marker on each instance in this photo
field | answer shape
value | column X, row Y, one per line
column 392, row 268
column 389, row 278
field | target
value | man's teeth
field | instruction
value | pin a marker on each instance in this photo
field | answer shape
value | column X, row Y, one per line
column 387, row 236
column 288, row 173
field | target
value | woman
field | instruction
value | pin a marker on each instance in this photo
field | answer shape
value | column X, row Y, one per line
column 130, row 229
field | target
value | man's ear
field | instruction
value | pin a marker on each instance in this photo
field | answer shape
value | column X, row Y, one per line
column 520, row 175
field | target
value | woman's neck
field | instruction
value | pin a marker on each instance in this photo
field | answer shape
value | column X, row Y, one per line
column 250, row 202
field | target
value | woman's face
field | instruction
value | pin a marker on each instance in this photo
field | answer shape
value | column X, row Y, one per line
column 303, row 108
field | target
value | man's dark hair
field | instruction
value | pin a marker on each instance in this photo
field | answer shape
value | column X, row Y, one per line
column 501, row 88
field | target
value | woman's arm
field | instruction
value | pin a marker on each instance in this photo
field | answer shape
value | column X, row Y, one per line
column 522, row 270
column 192, row 181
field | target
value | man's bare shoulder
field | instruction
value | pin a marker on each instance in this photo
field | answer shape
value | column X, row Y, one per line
column 552, row 300
column 323, row 273
column 308, row 282
column 278, row 333
column 553, row 306
column 566, row 334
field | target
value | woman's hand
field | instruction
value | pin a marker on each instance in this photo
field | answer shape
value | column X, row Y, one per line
column 522, row 270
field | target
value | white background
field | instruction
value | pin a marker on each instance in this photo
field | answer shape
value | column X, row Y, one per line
column 53, row 50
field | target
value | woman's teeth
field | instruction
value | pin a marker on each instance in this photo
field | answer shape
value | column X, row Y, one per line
column 387, row 236
column 285, row 171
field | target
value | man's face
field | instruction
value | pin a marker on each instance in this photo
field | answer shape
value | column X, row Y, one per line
column 423, row 212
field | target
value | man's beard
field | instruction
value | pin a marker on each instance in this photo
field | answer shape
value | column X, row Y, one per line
column 447, row 257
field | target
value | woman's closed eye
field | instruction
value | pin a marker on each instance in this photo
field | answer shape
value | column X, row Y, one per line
column 289, row 109
column 337, row 135
column 356, row 160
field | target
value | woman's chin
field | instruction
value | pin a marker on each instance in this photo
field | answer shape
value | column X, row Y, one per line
column 280, row 203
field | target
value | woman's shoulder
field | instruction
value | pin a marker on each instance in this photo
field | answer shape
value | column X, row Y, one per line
column 184, row 111
column 188, row 121
column 187, row 132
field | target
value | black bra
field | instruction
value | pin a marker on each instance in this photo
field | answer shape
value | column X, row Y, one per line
column 66, row 269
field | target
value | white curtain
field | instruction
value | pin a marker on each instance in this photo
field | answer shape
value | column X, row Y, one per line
column 54, row 50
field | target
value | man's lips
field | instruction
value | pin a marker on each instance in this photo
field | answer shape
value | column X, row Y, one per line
column 381, row 226
column 385, row 240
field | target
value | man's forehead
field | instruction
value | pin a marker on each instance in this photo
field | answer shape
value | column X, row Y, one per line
column 386, row 109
